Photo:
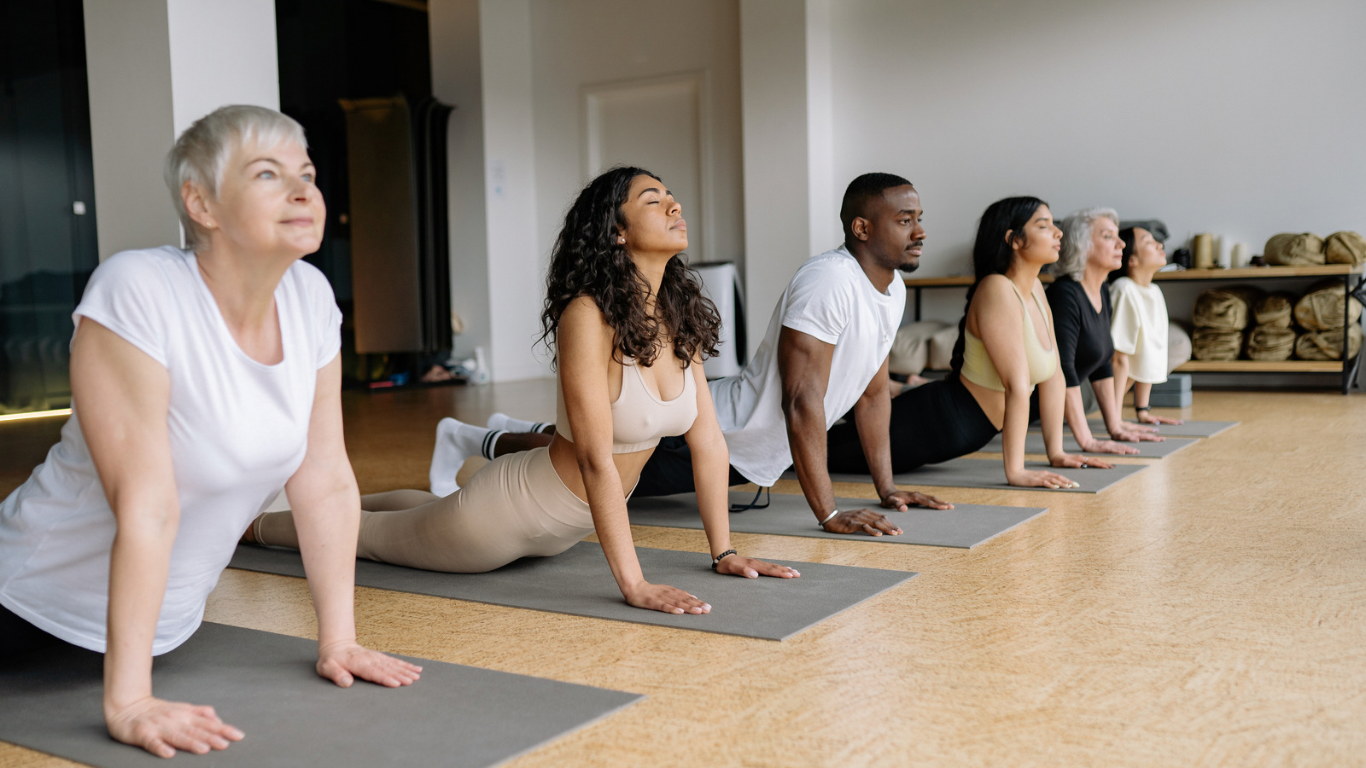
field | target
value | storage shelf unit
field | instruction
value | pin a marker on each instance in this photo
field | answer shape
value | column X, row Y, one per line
column 1346, row 271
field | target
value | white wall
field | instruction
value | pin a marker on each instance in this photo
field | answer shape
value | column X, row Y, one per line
column 1226, row 116
column 583, row 43
column 154, row 67
column 456, row 79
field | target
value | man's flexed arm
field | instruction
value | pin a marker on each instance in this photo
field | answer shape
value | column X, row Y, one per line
column 873, row 419
column 804, row 367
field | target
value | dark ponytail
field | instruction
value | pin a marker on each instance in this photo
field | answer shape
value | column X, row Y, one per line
column 992, row 254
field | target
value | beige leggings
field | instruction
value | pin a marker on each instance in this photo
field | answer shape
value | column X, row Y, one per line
column 515, row 506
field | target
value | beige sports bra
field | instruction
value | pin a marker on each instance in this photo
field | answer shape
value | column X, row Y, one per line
column 977, row 367
column 639, row 418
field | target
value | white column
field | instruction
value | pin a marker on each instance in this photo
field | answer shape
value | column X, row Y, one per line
column 128, row 62
column 222, row 52
column 515, row 266
column 456, row 80
column 154, row 67
column 791, row 199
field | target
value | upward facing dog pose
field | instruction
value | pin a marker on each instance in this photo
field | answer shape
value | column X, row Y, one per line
column 203, row 380
column 825, row 353
column 1005, row 349
column 630, row 328
column 1091, row 250
column 1140, row 322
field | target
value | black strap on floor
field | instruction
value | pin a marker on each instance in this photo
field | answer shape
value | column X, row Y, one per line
column 754, row 504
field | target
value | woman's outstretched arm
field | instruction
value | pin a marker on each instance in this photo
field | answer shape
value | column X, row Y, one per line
column 123, row 397
column 584, row 348
column 711, row 477
column 995, row 315
column 325, row 504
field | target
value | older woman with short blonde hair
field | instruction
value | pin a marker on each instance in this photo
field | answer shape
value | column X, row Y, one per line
column 1091, row 249
column 203, row 381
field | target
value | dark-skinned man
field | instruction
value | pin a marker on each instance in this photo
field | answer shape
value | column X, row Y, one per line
column 825, row 353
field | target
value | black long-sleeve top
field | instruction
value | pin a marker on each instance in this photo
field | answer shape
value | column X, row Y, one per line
column 1083, row 334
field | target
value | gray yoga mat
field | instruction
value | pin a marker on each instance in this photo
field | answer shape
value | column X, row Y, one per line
column 1188, row 429
column 1146, row 450
column 579, row 582
column 965, row 526
column 264, row 684
column 989, row 473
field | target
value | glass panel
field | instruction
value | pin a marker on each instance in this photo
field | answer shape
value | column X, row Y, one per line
column 47, row 208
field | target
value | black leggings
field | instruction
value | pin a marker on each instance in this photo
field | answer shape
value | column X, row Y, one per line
column 18, row 636
column 934, row 422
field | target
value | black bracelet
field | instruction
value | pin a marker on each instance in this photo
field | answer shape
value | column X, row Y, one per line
column 717, row 560
column 1141, row 408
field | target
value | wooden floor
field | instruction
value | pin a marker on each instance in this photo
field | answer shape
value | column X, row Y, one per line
column 1210, row 611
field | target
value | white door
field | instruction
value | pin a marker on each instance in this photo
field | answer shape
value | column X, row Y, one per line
column 658, row 124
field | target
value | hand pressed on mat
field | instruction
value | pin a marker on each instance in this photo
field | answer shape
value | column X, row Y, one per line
column 664, row 598
column 903, row 500
column 162, row 727
column 750, row 568
column 862, row 521
column 1147, row 417
column 344, row 661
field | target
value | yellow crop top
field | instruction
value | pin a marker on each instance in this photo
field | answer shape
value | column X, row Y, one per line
column 977, row 367
column 639, row 418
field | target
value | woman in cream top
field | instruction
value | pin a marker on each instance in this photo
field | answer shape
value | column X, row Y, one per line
column 1139, row 322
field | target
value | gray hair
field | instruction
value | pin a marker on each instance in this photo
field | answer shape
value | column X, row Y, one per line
column 1076, row 239
column 202, row 151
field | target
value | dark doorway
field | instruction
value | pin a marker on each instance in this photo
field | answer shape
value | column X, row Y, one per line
column 331, row 50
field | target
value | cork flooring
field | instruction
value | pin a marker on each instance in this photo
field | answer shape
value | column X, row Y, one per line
column 1209, row 611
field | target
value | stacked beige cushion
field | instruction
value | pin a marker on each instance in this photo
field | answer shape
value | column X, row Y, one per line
column 1302, row 249
column 1220, row 316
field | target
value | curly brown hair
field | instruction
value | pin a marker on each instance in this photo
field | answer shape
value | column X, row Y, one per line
column 588, row 261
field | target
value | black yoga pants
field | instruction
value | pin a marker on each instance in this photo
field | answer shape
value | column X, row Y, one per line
column 19, row 637
column 934, row 422
column 669, row 470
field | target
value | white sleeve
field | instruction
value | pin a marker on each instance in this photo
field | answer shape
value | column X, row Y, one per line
column 130, row 295
column 325, row 314
column 820, row 302
column 1125, row 323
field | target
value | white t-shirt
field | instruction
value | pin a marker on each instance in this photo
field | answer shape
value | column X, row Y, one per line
column 831, row 299
column 1138, row 327
column 238, row 430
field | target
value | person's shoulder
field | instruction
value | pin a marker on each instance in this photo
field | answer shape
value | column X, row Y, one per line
column 832, row 269
column 142, row 270
column 309, row 277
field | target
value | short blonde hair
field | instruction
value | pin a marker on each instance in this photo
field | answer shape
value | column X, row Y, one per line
column 201, row 152
column 1076, row 239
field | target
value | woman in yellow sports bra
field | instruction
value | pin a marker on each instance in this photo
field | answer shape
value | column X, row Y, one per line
column 630, row 328
column 1005, row 349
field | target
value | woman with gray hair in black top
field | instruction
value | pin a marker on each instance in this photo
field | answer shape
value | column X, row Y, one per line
column 1091, row 249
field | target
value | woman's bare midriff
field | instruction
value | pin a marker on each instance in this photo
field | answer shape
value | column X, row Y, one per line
column 564, row 457
column 992, row 403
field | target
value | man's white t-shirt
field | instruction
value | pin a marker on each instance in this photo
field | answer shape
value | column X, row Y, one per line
column 1138, row 327
column 831, row 299
column 238, row 430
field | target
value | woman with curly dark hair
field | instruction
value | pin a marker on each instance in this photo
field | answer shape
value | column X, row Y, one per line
column 630, row 329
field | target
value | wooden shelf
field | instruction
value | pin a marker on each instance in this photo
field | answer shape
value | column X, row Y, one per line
column 1260, row 366
column 1241, row 273
column 1263, row 273
column 937, row 282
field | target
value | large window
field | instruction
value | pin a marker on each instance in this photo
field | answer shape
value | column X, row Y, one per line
column 47, row 213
